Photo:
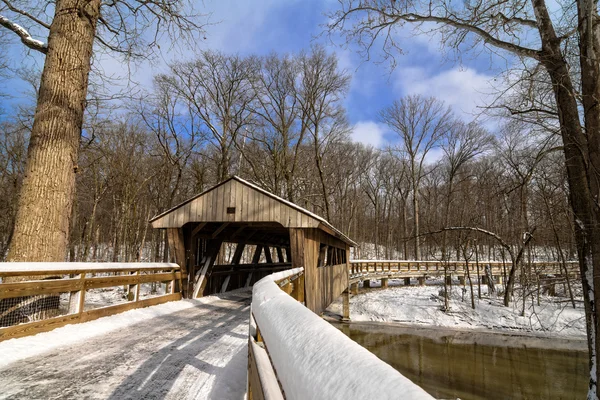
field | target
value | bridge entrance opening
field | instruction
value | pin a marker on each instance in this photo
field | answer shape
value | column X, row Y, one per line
column 236, row 233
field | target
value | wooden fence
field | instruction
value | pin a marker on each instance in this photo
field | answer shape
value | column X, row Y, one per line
column 38, row 297
column 360, row 269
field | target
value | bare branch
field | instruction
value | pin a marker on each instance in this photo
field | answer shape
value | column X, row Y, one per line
column 26, row 38
column 25, row 14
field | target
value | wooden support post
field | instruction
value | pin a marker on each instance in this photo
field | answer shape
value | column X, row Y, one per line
column 237, row 256
column 248, row 280
column 300, row 289
column 346, row 307
column 366, row 283
column 212, row 250
column 288, row 254
column 384, row 283
column 406, row 281
column 354, row 288
column 225, row 284
column 76, row 299
column 449, row 279
column 421, row 280
column 268, row 255
column 177, row 255
column 280, row 255
column 498, row 279
column 256, row 256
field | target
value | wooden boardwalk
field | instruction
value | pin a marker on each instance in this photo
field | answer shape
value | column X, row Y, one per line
column 362, row 270
column 196, row 353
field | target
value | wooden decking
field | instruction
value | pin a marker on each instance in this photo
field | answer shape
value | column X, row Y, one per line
column 196, row 353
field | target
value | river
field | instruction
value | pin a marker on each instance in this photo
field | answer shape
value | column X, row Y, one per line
column 474, row 365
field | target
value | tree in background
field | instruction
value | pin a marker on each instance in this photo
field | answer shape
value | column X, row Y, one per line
column 527, row 31
column 42, row 223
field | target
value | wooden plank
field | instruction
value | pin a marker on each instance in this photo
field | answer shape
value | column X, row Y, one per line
column 77, row 271
column 220, row 229
column 168, row 276
column 268, row 257
column 39, row 287
column 262, row 379
column 257, row 252
column 237, row 255
column 198, row 228
column 108, row 281
column 31, row 328
column 176, row 246
column 238, row 203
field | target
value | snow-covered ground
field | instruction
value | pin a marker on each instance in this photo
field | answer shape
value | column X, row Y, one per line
column 422, row 305
column 178, row 350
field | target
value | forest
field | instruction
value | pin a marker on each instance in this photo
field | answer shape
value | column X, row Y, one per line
column 280, row 121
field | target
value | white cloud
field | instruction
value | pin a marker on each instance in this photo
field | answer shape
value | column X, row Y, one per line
column 434, row 155
column 369, row 133
column 464, row 89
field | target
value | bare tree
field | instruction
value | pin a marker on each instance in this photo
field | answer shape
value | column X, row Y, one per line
column 219, row 89
column 420, row 124
column 42, row 222
column 321, row 91
column 500, row 26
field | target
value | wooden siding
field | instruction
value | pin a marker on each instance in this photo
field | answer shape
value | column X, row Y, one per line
column 250, row 206
column 322, row 284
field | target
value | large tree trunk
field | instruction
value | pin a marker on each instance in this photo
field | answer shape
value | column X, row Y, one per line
column 46, row 197
column 582, row 189
column 589, row 46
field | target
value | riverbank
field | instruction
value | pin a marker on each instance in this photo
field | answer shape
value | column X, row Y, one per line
column 483, row 337
column 420, row 307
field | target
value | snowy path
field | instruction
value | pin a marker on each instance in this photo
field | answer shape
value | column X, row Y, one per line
column 199, row 352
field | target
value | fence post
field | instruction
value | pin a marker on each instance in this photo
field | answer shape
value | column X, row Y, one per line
column 346, row 307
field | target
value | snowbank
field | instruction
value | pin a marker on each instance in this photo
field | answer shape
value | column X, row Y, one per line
column 314, row 360
column 421, row 305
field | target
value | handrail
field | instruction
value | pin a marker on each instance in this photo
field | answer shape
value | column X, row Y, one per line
column 63, row 268
column 309, row 357
column 38, row 301
column 421, row 268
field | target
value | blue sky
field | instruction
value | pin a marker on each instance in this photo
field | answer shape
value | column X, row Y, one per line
column 264, row 26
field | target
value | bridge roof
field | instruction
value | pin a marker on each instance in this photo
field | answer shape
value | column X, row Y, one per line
column 236, row 200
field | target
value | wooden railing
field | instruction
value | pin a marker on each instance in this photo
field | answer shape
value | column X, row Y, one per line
column 38, row 297
column 295, row 354
column 405, row 268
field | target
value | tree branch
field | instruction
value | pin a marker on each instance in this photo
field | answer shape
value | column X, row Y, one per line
column 26, row 38
column 25, row 14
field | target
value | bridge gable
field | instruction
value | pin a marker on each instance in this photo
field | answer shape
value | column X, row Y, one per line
column 236, row 200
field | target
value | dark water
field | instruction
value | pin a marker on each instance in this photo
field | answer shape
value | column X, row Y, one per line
column 450, row 370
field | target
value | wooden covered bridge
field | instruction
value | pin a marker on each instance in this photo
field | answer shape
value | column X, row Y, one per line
column 228, row 237
column 265, row 233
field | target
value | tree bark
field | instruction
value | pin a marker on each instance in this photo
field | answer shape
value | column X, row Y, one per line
column 46, row 197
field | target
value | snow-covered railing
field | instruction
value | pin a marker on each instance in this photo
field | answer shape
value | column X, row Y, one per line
column 295, row 354
column 38, row 297
column 420, row 268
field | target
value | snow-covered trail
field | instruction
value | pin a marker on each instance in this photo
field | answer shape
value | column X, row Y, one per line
column 195, row 353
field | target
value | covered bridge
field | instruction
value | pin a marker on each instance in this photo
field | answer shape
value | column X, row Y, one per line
column 235, row 233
